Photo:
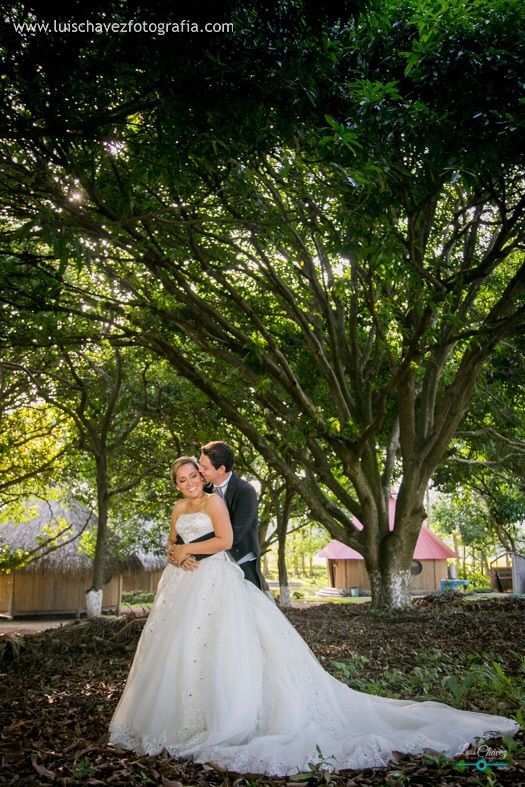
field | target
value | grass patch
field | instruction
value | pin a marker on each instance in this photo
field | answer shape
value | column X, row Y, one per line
column 463, row 680
column 138, row 598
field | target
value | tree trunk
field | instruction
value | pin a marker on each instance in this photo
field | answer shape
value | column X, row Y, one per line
column 283, row 516
column 95, row 592
column 505, row 539
column 388, row 563
column 295, row 561
column 284, row 591
column 94, row 603
column 390, row 574
column 284, row 596
column 390, row 588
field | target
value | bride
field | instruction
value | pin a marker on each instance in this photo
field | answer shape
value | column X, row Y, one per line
column 221, row 676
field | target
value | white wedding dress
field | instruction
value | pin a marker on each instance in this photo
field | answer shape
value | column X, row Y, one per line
column 221, row 676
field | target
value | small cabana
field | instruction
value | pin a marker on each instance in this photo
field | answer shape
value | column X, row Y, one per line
column 346, row 567
column 56, row 583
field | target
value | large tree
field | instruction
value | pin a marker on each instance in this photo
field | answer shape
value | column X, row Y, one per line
column 331, row 258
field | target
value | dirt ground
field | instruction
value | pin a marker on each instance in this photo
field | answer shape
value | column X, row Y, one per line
column 59, row 688
column 22, row 626
column 36, row 625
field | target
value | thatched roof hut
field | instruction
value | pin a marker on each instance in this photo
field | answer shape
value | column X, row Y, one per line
column 56, row 582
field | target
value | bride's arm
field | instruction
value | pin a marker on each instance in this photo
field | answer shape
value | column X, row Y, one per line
column 190, row 564
column 222, row 540
column 172, row 538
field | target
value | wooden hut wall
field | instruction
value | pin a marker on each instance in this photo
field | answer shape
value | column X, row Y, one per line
column 111, row 593
column 143, row 580
column 6, row 593
column 35, row 593
column 353, row 574
column 31, row 593
column 432, row 572
column 58, row 594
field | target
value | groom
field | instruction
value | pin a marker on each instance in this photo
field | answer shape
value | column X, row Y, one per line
column 216, row 466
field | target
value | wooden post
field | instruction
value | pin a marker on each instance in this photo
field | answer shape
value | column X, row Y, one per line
column 119, row 591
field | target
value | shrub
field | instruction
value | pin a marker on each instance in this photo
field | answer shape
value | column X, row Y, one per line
column 138, row 597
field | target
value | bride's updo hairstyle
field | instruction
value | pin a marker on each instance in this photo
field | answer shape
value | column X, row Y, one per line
column 182, row 460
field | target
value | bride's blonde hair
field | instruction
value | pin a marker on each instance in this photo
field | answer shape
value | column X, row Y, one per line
column 182, row 460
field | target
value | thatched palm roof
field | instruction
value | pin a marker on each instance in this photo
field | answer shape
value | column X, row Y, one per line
column 71, row 520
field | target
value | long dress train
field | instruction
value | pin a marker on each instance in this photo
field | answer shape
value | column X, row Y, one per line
column 220, row 675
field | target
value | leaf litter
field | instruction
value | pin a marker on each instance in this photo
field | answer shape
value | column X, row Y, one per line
column 59, row 688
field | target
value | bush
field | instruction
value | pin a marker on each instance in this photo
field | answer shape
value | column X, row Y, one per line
column 138, row 597
column 477, row 578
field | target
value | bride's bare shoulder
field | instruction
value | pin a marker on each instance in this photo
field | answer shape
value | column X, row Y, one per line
column 177, row 510
column 214, row 500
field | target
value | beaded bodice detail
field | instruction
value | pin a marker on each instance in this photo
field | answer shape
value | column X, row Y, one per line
column 192, row 526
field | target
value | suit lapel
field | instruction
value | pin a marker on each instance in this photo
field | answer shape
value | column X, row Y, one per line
column 232, row 484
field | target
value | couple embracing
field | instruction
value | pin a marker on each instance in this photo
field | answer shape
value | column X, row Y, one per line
column 216, row 470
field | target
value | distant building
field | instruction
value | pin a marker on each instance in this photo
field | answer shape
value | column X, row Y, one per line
column 346, row 567
column 56, row 583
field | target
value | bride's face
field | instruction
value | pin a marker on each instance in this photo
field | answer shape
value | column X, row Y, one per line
column 189, row 481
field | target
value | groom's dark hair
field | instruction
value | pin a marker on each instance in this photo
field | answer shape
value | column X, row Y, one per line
column 219, row 453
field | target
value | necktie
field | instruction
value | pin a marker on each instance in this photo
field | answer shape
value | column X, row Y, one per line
column 218, row 491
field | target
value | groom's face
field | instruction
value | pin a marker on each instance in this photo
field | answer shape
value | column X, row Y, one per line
column 211, row 474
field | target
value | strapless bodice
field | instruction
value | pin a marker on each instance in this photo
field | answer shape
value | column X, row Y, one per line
column 192, row 526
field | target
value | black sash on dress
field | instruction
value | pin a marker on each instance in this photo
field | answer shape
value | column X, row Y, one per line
column 205, row 537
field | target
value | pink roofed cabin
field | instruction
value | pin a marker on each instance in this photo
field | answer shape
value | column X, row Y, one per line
column 346, row 567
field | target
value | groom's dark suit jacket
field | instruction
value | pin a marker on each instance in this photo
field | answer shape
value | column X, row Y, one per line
column 241, row 500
